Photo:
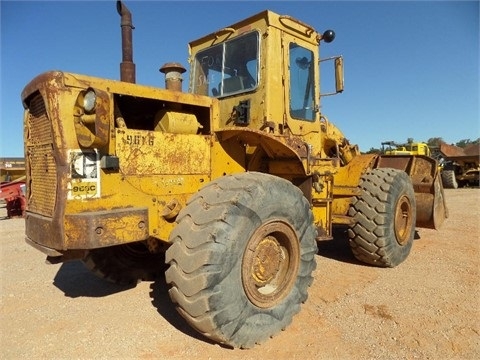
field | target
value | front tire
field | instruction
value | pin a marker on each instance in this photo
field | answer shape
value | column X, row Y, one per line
column 384, row 217
column 242, row 258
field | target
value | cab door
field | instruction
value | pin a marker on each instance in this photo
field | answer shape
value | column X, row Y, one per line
column 301, row 86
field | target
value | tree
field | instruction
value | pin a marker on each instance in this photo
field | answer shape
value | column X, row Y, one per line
column 465, row 142
column 373, row 151
column 435, row 141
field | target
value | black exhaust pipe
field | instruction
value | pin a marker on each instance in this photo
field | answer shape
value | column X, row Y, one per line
column 127, row 66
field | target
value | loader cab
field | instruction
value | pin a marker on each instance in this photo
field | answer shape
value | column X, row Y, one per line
column 264, row 71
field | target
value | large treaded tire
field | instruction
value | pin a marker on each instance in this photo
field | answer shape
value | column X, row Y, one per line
column 125, row 264
column 223, row 247
column 449, row 180
column 384, row 217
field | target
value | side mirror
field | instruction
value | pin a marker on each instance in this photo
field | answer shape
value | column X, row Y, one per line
column 339, row 80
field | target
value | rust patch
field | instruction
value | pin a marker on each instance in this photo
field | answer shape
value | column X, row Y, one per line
column 298, row 145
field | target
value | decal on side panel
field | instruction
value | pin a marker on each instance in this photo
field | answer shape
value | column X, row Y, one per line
column 84, row 174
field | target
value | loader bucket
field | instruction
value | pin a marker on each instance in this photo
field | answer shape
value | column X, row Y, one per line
column 430, row 198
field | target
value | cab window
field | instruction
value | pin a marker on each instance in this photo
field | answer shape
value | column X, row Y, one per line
column 227, row 68
column 302, row 101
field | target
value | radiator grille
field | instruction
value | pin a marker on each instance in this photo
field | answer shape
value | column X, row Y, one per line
column 41, row 160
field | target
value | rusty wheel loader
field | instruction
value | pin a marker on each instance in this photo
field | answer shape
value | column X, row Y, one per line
column 227, row 186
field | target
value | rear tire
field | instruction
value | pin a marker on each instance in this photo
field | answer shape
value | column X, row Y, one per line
column 242, row 258
column 125, row 264
column 449, row 180
column 384, row 218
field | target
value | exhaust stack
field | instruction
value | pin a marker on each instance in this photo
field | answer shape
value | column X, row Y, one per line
column 127, row 66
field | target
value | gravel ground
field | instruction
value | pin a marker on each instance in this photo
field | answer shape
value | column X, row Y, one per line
column 426, row 308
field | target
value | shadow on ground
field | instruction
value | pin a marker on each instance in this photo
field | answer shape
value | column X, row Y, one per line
column 337, row 248
column 75, row 280
column 166, row 308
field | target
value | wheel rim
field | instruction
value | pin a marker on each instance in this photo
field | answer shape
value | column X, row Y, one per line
column 270, row 264
column 403, row 220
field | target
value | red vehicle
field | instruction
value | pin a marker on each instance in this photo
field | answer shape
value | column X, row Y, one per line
column 13, row 193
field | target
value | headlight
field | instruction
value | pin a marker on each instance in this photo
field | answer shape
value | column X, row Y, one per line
column 89, row 101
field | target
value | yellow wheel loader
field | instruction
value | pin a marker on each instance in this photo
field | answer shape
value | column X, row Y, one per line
column 227, row 186
column 411, row 148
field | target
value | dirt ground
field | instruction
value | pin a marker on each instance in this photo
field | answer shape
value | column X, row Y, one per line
column 426, row 308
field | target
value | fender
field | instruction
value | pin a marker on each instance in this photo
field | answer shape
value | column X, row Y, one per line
column 293, row 152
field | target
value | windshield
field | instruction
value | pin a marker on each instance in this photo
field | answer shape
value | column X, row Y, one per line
column 227, row 68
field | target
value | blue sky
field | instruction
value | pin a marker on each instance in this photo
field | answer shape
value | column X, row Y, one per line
column 411, row 68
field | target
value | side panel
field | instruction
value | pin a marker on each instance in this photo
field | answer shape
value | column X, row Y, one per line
column 154, row 153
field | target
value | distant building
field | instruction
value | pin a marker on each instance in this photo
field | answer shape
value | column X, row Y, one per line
column 11, row 168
